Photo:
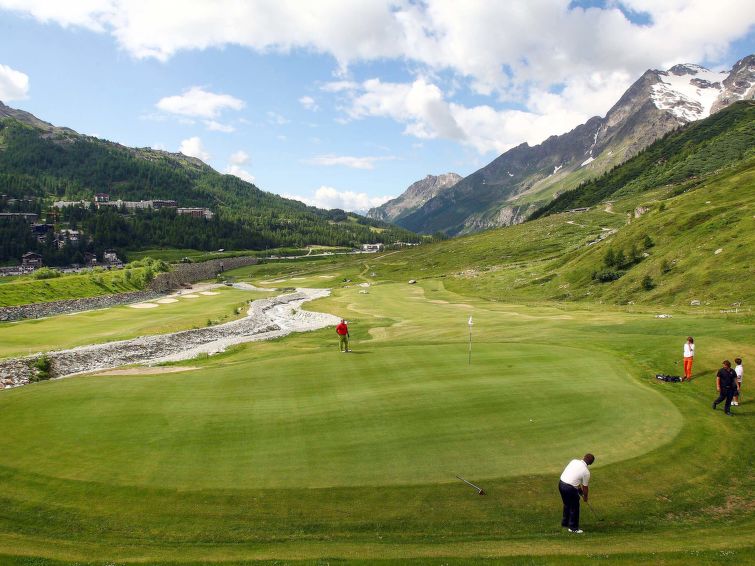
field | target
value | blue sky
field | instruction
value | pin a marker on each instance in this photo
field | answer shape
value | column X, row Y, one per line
column 345, row 104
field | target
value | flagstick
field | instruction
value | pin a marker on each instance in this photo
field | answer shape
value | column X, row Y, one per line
column 469, row 361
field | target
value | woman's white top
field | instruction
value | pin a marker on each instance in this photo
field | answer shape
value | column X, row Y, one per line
column 689, row 350
column 740, row 372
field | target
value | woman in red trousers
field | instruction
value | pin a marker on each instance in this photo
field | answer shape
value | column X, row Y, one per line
column 689, row 354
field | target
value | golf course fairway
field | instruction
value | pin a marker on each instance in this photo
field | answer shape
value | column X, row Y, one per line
column 290, row 450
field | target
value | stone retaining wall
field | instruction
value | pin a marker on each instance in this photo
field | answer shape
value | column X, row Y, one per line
column 40, row 310
column 21, row 371
column 180, row 274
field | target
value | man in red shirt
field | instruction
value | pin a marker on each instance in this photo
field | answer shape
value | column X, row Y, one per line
column 343, row 333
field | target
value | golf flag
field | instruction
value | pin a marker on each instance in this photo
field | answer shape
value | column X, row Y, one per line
column 470, row 320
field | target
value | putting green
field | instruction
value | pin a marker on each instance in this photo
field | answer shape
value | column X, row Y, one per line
column 289, row 449
column 393, row 415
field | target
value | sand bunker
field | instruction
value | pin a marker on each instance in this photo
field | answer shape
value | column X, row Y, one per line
column 147, row 370
column 208, row 293
column 166, row 301
column 144, row 306
column 189, row 296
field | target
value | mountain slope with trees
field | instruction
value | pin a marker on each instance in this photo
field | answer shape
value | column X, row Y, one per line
column 40, row 163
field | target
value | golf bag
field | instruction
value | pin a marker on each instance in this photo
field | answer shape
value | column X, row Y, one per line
column 664, row 377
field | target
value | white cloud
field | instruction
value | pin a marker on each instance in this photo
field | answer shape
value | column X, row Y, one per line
column 199, row 103
column 277, row 119
column 347, row 161
column 339, row 86
column 193, row 148
column 239, row 172
column 214, row 126
column 239, row 157
column 235, row 166
column 309, row 103
column 14, row 85
column 426, row 114
column 511, row 51
column 497, row 45
column 329, row 197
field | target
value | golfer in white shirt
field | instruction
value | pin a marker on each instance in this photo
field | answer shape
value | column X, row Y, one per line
column 573, row 483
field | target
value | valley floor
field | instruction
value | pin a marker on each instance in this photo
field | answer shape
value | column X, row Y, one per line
column 287, row 450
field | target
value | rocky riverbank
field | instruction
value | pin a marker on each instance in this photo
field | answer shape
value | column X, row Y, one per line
column 180, row 274
column 266, row 319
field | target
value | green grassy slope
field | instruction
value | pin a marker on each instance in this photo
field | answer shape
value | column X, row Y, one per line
column 353, row 456
column 25, row 290
column 685, row 156
column 554, row 257
column 123, row 322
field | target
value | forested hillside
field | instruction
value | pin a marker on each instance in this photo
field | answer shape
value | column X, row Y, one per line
column 40, row 165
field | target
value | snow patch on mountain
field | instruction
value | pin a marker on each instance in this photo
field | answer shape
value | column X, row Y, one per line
column 687, row 91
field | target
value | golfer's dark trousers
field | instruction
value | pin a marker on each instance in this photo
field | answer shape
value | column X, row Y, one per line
column 727, row 394
column 570, row 497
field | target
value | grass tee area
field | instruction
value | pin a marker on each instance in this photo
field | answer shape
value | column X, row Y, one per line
column 289, row 450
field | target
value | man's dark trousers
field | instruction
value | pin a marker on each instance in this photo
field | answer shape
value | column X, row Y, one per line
column 727, row 393
column 570, row 497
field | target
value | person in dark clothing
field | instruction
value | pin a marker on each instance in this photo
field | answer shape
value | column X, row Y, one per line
column 572, row 484
column 726, row 384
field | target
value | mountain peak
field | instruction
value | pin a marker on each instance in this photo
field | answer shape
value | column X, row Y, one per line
column 414, row 197
column 687, row 91
column 687, row 69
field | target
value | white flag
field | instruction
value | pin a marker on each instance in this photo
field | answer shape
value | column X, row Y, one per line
column 470, row 320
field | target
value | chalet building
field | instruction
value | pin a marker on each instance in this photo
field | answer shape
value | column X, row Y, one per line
column 40, row 231
column 131, row 205
column 90, row 260
column 372, row 248
column 196, row 212
column 31, row 261
column 28, row 216
column 67, row 236
column 66, row 203
column 157, row 204
column 102, row 197
column 111, row 258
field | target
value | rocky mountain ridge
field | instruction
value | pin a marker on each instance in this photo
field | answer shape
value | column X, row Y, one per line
column 415, row 196
column 517, row 182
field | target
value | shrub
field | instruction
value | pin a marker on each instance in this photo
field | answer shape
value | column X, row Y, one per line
column 46, row 273
column 43, row 365
column 606, row 275
column 610, row 258
column 647, row 283
column 634, row 254
column 665, row 266
column 648, row 242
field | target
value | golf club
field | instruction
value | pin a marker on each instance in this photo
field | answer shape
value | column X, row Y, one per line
column 593, row 511
column 480, row 491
